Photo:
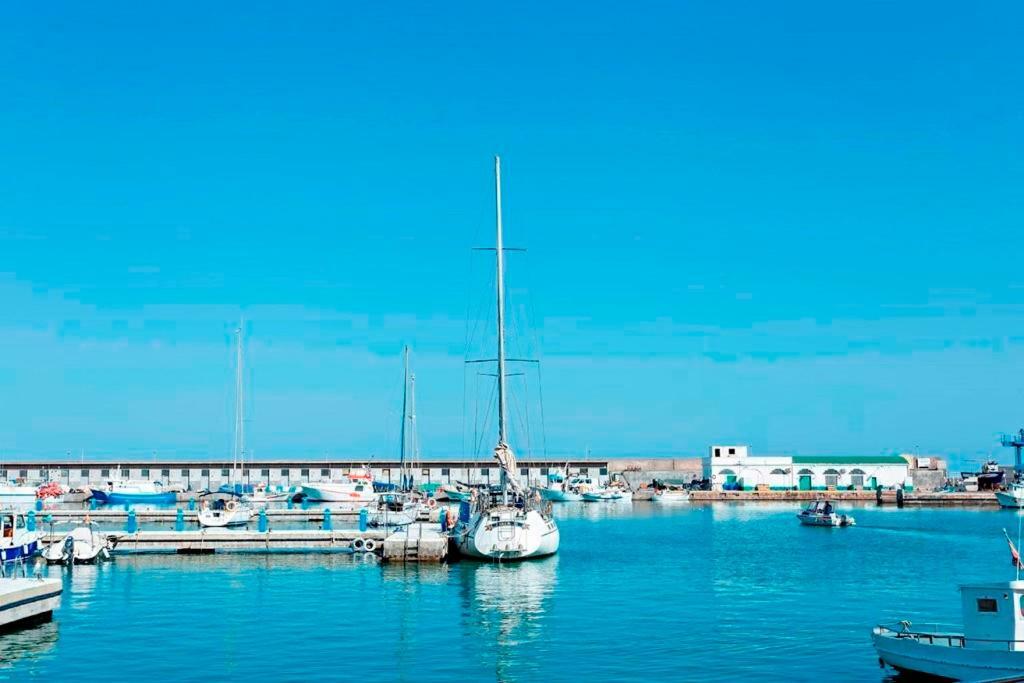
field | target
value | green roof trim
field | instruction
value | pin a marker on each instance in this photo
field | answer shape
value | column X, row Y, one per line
column 848, row 460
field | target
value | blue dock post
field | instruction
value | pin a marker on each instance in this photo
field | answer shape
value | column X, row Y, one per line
column 291, row 503
column 179, row 520
column 364, row 519
column 263, row 520
column 31, row 522
column 443, row 514
column 92, row 503
column 304, row 504
column 327, row 520
column 191, row 504
column 127, row 506
column 39, row 503
column 132, row 525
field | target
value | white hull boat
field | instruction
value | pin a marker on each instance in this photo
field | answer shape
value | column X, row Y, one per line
column 504, row 526
column 14, row 494
column 821, row 513
column 231, row 514
column 509, row 533
column 81, row 546
column 989, row 648
column 1013, row 497
column 605, row 496
column 557, row 496
column 670, row 497
column 356, row 494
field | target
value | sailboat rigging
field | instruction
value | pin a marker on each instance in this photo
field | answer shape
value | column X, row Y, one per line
column 507, row 525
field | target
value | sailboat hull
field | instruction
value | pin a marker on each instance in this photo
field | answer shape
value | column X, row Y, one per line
column 508, row 534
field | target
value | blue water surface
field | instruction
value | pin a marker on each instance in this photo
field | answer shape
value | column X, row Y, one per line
column 717, row 592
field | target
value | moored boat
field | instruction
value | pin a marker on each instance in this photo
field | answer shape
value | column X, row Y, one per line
column 671, row 495
column 509, row 524
column 17, row 494
column 17, row 543
column 356, row 489
column 605, row 495
column 565, row 488
column 82, row 545
column 230, row 514
column 988, row 648
column 134, row 493
column 822, row 513
column 1012, row 497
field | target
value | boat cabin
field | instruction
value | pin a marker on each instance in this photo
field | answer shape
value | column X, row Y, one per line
column 993, row 616
column 820, row 507
column 10, row 523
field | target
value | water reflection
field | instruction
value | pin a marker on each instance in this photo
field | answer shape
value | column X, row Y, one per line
column 505, row 609
column 28, row 645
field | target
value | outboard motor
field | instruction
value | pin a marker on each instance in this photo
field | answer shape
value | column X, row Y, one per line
column 69, row 550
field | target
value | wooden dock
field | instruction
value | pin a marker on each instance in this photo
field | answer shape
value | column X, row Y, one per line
column 27, row 601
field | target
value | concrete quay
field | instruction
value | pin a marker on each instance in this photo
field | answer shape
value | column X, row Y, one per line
column 889, row 497
column 416, row 543
column 210, row 541
column 24, row 602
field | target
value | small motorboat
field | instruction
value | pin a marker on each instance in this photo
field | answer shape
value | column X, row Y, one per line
column 81, row 546
column 566, row 488
column 671, row 495
column 822, row 513
column 606, row 496
column 988, row 648
column 230, row 514
column 1012, row 497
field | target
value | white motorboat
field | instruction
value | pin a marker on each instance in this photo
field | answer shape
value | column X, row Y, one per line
column 232, row 514
column 263, row 493
column 81, row 546
column 605, row 495
column 356, row 489
column 507, row 525
column 1012, row 497
column 671, row 496
column 17, row 494
column 989, row 648
column 822, row 513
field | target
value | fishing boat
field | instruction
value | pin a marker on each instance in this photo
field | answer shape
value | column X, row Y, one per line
column 507, row 525
column 989, row 646
column 1012, row 497
column 17, row 494
column 229, row 514
column 134, row 493
column 82, row 545
column 458, row 492
column 263, row 494
column 565, row 488
column 17, row 543
column 356, row 489
column 822, row 513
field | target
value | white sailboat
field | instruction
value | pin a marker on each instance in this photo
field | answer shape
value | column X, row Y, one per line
column 232, row 513
column 403, row 507
column 504, row 526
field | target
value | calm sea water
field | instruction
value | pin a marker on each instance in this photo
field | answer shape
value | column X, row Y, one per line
column 712, row 593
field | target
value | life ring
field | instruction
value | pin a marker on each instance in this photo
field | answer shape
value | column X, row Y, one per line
column 231, row 506
column 369, row 545
column 431, row 503
column 358, row 544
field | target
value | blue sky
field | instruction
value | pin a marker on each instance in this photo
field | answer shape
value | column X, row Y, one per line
column 793, row 225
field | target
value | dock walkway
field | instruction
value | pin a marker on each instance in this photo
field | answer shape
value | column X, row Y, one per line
column 27, row 601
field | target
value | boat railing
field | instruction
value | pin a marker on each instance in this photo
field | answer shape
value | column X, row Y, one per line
column 946, row 639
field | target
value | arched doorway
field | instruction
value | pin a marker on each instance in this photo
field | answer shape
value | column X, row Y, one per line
column 805, row 478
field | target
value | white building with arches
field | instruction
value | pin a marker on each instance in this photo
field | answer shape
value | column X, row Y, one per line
column 733, row 468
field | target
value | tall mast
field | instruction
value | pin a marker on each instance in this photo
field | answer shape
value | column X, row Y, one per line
column 502, row 437
column 239, row 405
column 405, row 400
